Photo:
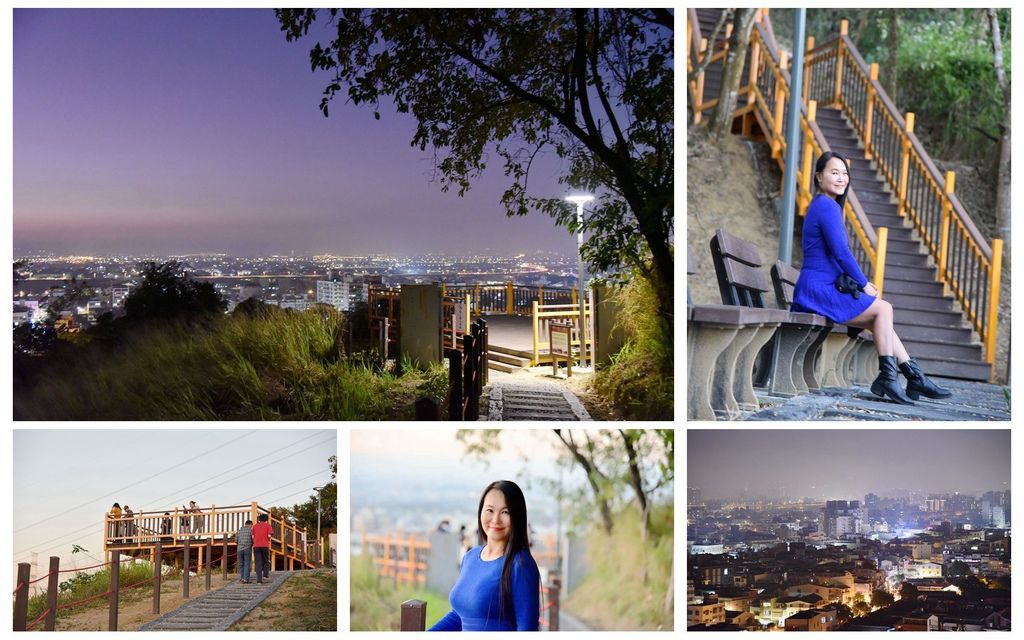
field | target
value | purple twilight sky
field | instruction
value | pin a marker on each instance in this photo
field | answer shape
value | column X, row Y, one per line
column 185, row 131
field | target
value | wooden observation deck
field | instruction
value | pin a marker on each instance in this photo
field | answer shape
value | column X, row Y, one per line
column 210, row 528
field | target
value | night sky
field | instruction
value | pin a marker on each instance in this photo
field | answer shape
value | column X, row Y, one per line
column 845, row 464
column 176, row 131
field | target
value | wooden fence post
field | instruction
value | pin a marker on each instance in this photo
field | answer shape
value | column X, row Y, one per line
column 454, row 385
column 844, row 28
column 554, row 597
column 869, row 123
column 947, row 210
column 184, row 577
column 414, row 615
column 21, row 596
column 158, row 565
column 484, row 354
column 208, row 567
column 780, row 103
column 510, row 307
column 468, row 377
column 224, row 558
column 115, row 586
column 52, row 586
column 807, row 71
column 905, row 164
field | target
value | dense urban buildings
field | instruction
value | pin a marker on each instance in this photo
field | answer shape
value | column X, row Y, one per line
column 289, row 282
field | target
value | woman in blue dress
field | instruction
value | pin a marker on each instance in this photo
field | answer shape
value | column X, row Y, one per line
column 499, row 585
column 827, row 257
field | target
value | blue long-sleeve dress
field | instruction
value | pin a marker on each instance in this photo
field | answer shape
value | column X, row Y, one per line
column 826, row 255
column 476, row 596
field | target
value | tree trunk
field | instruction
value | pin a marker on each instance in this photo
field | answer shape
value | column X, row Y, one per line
column 593, row 474
column 894, row 50
column 1003, row 174
column 721, row 121
column 636, row 481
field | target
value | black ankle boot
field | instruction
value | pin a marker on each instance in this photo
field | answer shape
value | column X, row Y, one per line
column 887, row 382
column 919, row 385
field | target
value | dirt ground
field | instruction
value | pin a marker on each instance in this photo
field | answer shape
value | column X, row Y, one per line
column 136, row 606
column 303, row 602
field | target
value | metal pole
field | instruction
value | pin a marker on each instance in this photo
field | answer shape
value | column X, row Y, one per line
column 792, row 138
column 580, row 295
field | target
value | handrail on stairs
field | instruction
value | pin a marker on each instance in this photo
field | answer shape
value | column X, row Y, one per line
column 836, row 74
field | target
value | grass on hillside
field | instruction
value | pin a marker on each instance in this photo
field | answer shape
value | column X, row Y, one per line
column 615, row 594
column 375, row 603
column 82, row 586
column 282, row 365
column 639, row 382
column 307, row 601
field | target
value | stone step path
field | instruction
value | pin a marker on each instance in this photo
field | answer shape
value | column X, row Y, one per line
column 218, row 610
column 533, row 401
column 975, row 401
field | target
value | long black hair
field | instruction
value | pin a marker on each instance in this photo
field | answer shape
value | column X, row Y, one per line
column 819, row 166
column 518, row 538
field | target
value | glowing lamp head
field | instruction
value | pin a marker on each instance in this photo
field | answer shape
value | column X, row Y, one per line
column 580, row 199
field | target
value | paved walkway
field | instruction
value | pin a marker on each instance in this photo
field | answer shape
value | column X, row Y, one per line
column 523, row 400
column 971, row 401
column 218, row 610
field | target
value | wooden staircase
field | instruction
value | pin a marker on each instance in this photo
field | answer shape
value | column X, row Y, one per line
column 931, row 323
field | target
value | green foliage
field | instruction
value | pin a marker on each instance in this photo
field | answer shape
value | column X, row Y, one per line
column 947, row 77
column 640, row 379
column 168, row 292
column 375, row 603
column 285, row 365
column 957, row 568
column 881, row 598
column 628, row 581
column 593, row 87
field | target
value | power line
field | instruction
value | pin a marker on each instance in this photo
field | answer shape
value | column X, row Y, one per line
column 115, row 492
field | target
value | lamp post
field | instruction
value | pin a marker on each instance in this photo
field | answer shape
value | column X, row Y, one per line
column 579, row 201
column 319, row 551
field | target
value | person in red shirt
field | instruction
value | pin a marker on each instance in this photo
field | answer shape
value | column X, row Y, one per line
column 261, row 547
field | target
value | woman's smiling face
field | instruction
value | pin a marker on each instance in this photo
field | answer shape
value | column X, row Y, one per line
column 834, row 178
column 495, row 518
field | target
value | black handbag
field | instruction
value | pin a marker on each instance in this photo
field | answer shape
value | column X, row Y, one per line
column 846, row 284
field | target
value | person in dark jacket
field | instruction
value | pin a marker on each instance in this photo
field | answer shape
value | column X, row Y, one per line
column 822, row 289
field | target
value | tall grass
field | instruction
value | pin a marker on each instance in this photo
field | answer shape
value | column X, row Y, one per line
column 280, row 365
column 628, row 582
column 82, row 586
column 375, row 603
column 639, row 381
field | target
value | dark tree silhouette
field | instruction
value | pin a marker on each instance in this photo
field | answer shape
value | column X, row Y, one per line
column 168, row 292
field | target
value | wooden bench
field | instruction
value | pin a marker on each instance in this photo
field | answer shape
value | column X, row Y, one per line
column 722, row 345
column 846, row 359
column 742, row 282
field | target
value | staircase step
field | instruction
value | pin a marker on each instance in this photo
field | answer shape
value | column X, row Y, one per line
column 501, row 366
column 903, row 233
column 923, row 274
column 906, row 246
column 906, row 260
column 884, row 220
column 507, row 358
column 933, row 333
column 939, row 350
column 931, row 318
column 850, row 152
column 955, row 368
column 902, row 285
column 905, row 302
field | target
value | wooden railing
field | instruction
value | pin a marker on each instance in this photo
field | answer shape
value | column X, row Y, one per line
column 142, row 530
column 508, row 298
column 835, row 74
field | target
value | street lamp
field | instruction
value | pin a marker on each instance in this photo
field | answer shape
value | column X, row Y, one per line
column 579, row 201
column 319, row 551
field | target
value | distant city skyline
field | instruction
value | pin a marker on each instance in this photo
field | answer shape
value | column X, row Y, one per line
column 845, row 464
column 187, row 131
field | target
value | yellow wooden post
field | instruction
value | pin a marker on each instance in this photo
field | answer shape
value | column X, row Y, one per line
column 755, row 59
column 443, row 290
column 995, row 273
column 699, row 93
column 476, row 298
column 883, row 240
column 509, row 303
column 873, row 78
column 947, row 212
column 254, row 513
column 844, row 28
column 807, row 69
column 574, row 294
column 905, row 164
column 536, row 337
column 780, row 102
column 540, row 293
column 805, row 179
